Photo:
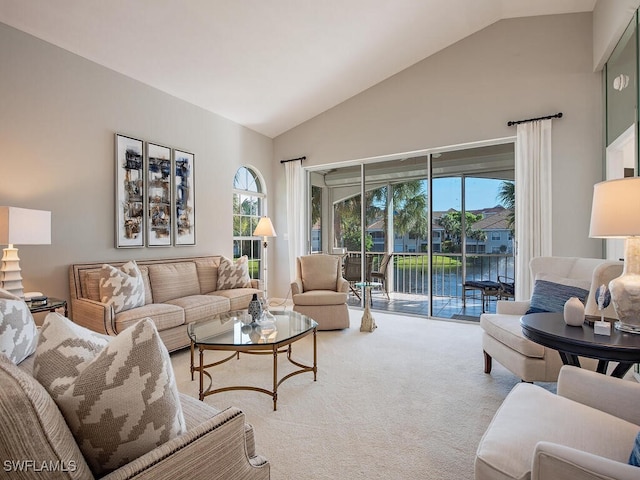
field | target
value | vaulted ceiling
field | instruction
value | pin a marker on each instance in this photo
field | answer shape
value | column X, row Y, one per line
column 266, row 64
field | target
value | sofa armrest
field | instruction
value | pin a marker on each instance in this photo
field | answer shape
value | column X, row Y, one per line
column 558, row 462
column 343, row 285
column 506, row 307
column 296, row 286
column 214, row 450
column 96, row 316
column 612, row 395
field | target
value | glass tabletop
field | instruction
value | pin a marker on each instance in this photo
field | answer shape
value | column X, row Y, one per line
column 229, row 329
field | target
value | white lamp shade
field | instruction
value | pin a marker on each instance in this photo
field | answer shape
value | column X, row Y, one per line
column 616, row 208
column 265, row 228
column 23, row 226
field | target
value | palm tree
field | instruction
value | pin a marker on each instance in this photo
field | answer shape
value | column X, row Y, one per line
column 451, row 222
column 409, row 209
column 507, row 197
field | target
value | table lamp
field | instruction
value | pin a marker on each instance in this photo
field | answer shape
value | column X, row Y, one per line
column 616, row 214
column 20, row 226
column 265, row 229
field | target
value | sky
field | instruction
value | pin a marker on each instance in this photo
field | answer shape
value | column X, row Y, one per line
column 480, row 192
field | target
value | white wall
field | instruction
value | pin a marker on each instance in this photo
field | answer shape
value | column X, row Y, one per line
column 514, row 69
column 58, row 116
column 610, row 19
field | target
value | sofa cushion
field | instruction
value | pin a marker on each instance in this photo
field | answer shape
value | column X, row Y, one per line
column 507, row 447
column 164, row 316
column 551, row 292
column 239, row 298
column 122, row 288
column 124, row 402
column 201, row 307
column 173, row 280
column 233, row 274
column 507, row 330
column 18, row 332
column 90, row 284
column 208, row 273
column 33, row 429
column 319, row 272
column 320, row 297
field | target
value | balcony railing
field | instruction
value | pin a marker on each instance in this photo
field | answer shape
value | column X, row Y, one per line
column 409, row 271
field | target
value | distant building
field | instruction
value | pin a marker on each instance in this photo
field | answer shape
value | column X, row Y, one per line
column 494, row 223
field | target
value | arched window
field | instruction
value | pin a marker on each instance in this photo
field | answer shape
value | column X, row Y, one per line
column 248, row 206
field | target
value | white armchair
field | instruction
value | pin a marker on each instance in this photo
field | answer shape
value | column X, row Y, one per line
column 586, row 431
column 320, row 291
column 502, row 337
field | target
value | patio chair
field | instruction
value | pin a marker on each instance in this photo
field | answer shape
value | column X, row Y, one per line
column 487, row 289
column 380, row 275
column 352, row 271
column 507, row 287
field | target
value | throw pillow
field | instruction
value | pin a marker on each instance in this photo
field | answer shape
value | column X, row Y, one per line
column 551, row 292
column 124, row 402
column 634, row 458
column 18, row 332
column 233, row 275
column 122, row 288
column 64, row 350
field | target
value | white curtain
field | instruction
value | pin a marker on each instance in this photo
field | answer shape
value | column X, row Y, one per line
column 533, row 200
column 295, row 213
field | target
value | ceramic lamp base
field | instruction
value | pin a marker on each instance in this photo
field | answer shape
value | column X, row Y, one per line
column 625, row 290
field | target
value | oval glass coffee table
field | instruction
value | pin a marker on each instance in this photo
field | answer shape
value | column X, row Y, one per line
column 227, row 332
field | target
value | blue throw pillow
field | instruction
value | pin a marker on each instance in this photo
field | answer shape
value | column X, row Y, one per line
column 550, row 293
column 634, row 458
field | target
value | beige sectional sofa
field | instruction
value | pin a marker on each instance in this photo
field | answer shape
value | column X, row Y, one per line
column 178, row 291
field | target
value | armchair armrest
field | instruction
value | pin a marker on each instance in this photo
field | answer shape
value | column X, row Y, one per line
column 609, row 394
column 343, row 285
column 215, row 449
column 558, row 462
column 296, row 286
column 506, row 307
column 94, row 315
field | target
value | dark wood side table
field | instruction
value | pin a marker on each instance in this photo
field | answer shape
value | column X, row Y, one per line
column 550, row 330
column 51, row 306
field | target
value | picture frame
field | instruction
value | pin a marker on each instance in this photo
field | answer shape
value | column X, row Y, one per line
column 184, row 198
column 159, row 211
column 130, row 191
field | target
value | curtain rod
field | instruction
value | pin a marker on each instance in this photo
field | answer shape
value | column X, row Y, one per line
column 516, row 122
column 293, row 160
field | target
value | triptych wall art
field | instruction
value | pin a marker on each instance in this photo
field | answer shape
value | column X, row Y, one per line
column 155, row 195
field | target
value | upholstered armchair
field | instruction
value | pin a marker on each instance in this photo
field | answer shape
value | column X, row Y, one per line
column 502, row 338
column 586, row 431
column 320, row 291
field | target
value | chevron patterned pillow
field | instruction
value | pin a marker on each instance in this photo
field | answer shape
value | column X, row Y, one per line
column 123, row 288
column 119, row 400
column 233, row 275
column 18, row 332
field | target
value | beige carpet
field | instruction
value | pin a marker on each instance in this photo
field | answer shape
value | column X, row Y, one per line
column 408, row 401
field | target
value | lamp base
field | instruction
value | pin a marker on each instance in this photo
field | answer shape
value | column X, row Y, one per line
column 10, row 277
column 625, row 290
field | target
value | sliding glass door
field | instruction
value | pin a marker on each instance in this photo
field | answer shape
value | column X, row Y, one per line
column 428, row 224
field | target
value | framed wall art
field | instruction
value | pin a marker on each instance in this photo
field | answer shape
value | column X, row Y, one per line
column 159, row 195
column 184, row 195
column 130, row 183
